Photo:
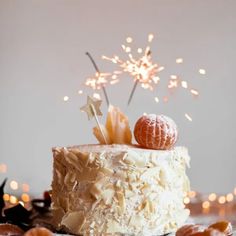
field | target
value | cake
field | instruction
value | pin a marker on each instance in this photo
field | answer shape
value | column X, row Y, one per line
column 119, row 189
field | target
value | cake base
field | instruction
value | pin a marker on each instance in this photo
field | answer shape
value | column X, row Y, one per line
column 119, row 190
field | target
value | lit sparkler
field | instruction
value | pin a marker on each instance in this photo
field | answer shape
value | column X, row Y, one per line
column 99, row 80
column 142, row 69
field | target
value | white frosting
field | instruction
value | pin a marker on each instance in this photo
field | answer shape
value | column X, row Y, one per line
column 119, row 189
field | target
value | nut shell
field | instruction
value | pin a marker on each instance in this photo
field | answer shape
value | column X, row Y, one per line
column 38, row 231
column 155, row 132
column 9, row 229
column 223, row 226
column 187, row 230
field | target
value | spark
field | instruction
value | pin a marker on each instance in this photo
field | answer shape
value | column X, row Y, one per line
column 129, row 40
column 139, row 50
column 156, row 99
column 184, row 84
column 173, row 77
column 150, row 38
column 97, row 96
column 194, row 92
column 179, row 60
column 173, row 84
column 98, row 81
column 66, row 98
column 188, row 117
column 165, row 99
column 202, row 71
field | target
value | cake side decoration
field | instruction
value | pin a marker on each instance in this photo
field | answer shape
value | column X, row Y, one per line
column 116, row 130
column 156, row 132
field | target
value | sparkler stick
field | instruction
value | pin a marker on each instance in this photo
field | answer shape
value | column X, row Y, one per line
column 132, row 92
column 98, row 71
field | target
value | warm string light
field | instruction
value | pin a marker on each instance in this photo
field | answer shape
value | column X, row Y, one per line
column 222, row 199
column 3, row 168
column 14, row 185
column 205, row 204
column 229, row 197
column 25, row 197
column 212, row 197
column 210, row 204
column 25, row 188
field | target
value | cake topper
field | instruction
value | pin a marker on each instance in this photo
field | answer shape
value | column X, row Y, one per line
column 116, row 129
column 92, row 108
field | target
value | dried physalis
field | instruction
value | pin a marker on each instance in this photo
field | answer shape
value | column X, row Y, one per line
column 117, row 128
column 223, row 226
column 9, row 229
column 38, row 231
column 156, row 132
column 187, row 230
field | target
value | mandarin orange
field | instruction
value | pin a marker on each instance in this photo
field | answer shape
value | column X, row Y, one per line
column 155, row 132
column 38, row 231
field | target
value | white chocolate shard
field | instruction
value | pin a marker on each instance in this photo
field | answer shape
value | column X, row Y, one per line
column 73, row 221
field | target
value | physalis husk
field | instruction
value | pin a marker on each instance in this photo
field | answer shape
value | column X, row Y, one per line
column 116, row 130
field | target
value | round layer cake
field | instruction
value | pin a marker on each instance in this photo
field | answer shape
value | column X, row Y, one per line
column 119, row 189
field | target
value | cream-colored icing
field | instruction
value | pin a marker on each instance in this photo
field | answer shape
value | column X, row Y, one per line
column 119, row 189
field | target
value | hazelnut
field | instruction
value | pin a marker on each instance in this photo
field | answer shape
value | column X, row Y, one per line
column 9, row 229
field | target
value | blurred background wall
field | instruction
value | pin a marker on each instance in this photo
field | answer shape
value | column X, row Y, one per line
column 42, row 59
